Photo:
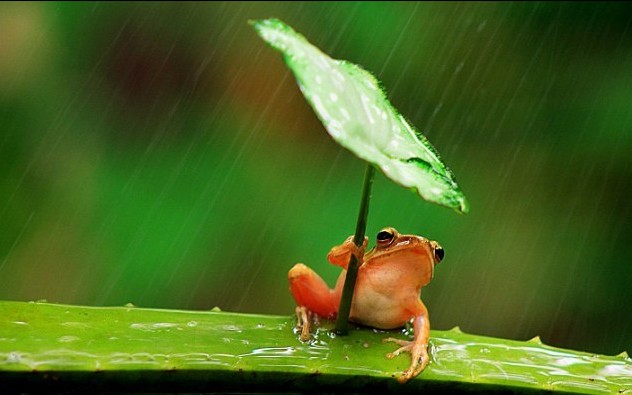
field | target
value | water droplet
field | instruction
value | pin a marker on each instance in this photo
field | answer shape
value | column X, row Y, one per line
column 160, row 325
column 13, row 357
column 233, row 328
column 68, row 339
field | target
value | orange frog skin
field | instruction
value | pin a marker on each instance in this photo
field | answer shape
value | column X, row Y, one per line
column 386, row 295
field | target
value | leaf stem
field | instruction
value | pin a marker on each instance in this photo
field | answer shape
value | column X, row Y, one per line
column 358, row 239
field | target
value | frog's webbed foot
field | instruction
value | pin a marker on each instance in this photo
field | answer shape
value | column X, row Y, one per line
column 304, row 323
column 418, row 353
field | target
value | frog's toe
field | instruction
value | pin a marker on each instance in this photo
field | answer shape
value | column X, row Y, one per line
column 421, row 366
column 415, row 368
column 418, row 354
column 304, row 322
column 305, row 335
column 407, row 375
column 405, row 347
column 395, row 353
column 401, row 342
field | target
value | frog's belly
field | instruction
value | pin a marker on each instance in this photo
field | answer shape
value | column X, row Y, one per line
column 378, row 310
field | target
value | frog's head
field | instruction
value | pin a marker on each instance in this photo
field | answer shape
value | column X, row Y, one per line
column 398, row 248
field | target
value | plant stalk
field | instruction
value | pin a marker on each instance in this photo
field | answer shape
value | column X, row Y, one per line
column 352, row 270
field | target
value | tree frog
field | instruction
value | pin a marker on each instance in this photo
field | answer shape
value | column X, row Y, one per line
column 386, row 295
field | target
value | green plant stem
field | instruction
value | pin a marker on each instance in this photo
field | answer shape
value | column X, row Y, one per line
column 358, row 240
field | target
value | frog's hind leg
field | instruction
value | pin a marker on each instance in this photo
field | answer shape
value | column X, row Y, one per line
column 311, row 291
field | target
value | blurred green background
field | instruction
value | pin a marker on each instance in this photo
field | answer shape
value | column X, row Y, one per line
column 162, row 154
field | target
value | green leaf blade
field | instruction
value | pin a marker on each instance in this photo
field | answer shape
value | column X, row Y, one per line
column 358, row 115
column 63, row 348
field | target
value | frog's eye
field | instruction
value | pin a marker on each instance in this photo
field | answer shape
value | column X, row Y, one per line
column 385, row 237
column 438, row 254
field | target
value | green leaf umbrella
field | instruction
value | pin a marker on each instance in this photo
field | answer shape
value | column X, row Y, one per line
column 356, row 112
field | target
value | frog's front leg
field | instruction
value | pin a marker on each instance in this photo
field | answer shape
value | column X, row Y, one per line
column 312, row 295
column 339, row 255
column 418, row 348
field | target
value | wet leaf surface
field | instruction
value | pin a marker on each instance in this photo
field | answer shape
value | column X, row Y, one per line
column 70, row 347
